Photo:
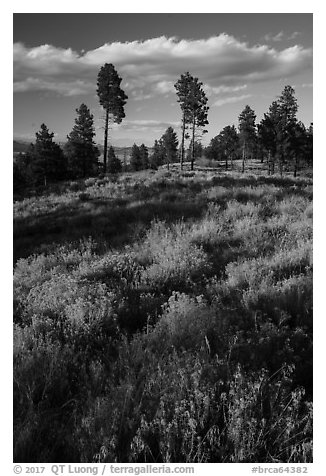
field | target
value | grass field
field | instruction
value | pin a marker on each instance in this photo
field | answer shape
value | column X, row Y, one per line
column 164, row 316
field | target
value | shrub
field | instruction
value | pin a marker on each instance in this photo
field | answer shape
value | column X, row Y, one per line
column 265, row 417
column 84, row 197
column 186, row 322
column 174, row 262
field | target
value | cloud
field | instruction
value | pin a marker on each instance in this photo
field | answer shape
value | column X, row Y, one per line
column 165, row 87
column 307, row 85
column 147, row 124
column 231, row 100
column 73, row 88
column 281, row 36
column 294, row 35
column 152, row 66
column 223, row 89
column 140, row 95
column 278, row 37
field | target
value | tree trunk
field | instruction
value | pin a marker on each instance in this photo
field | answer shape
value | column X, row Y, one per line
column 269, row 162
column 243, row 157
column 295, row 167
column 182, row 141
column 281, row 164
column 105, row 152
column 193, row 144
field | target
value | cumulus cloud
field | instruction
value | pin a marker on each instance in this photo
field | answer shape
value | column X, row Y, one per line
column 152, row 66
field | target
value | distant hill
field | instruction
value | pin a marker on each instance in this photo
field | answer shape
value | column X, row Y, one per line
column 20, row 146
column 121, row 152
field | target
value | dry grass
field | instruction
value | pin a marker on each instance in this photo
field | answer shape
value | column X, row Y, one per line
column 165, row 316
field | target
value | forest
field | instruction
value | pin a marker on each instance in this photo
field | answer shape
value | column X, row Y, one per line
column 163, row 302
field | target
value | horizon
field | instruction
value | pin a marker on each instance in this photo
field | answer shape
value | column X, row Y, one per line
column 248, row 59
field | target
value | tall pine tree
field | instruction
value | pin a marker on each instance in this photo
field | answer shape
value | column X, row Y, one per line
column 112, row 98
column 247, row 133
column 287, row 126
column 193, row 103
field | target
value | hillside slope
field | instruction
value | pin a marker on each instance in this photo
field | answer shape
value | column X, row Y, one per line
column 164, row 317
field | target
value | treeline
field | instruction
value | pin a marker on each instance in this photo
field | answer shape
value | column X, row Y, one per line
column 45, row 161
column 278, row 139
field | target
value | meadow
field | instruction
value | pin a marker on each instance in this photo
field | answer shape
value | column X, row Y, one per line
column 164, row 316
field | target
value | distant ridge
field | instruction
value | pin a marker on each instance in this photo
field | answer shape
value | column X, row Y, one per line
column 20, row 146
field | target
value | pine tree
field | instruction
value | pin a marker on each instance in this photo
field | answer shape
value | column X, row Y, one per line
column 170, row 144
column 287, row 126
column 182, row 87
column 158, row 156
column 46, row 158
column 198, row 150
column 213, row 150
column 224, row 146
column 19, row 173
column 288, row 104
column 278, row 131
column 268, row 134
column 247, row 133
column 135, row 158
column 229, row 144
column 112, row 98
column 114, row 165
column 143, row 151
column 297, row 152
column 80, row 149
column 193, row 103
column 309, row 144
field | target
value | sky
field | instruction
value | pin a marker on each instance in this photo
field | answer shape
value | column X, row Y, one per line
column 245, row 58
